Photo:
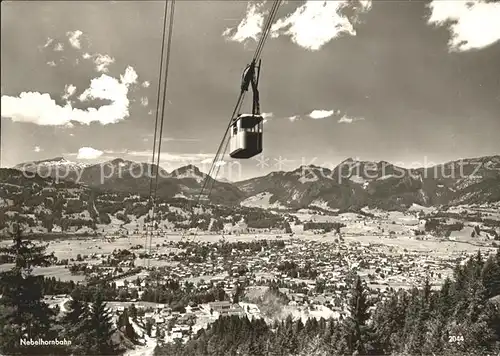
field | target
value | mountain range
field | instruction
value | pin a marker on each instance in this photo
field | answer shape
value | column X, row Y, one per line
column 352, row 184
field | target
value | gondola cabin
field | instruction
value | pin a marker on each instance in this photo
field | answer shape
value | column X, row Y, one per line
column 246, row 136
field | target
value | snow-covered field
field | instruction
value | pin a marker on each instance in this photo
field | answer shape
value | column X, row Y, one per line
column 436, row 248
column 59, row 272
column 417, row 208
column 262, row 200
column 305, row 313
column 357, row 232
column 487, row 212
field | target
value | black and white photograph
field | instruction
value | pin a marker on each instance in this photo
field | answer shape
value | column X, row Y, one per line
column 250, row 178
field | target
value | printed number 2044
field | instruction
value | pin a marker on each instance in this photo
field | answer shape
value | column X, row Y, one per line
column 456, row 338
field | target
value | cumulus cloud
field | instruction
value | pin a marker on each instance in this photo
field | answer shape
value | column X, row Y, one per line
column 88, row 153
column 472, row 24
column 321, row 114
column 174, row 139
column 59, row 47
column 144, row 101
column 116, row 152
column 37, row 149
column 316, row 23
column 74, row 38
column 69, row 90
column 184, row 158
column 311, row 26
column 146, row 84
column 349, row 120
column 250, row 26
column 102, row 61
column 130, row 76
column 293, row 118
column 41, row 109
column 51, row 64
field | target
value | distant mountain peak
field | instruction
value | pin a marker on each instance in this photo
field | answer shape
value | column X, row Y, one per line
column 56, row 163
column 54, row 160
column 189, row 171
column 307, row 167
column 349, row 160
column 352, row 183
column 117, row 160
column 47, row 162
column 188, row 168
column 224, row 180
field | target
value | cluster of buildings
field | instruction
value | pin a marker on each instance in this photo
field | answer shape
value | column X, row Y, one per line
column 312, row 276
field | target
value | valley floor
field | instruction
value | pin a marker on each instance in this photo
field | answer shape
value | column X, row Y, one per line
column 70, row 248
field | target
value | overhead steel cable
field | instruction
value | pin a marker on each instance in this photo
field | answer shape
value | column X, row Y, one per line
column 151, row 180
column 208, row 176
column 266, row 30
column 214, row 162
column 256, row 57
column 167, row 64
column 154, row 188
column 162, row 117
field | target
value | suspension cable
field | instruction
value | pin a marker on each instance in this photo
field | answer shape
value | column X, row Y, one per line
column 239, row 103
column 154, row 188
column 266, row 30
column 224, row 142
column 157, row 117
column 170, row 31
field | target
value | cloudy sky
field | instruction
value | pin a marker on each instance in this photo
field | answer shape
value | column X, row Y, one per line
column 401, row 81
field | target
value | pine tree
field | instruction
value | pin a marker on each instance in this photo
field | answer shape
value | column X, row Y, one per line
column 358, row 308
column 126, row 327
column 24, row 313
column 477, row 331
column 414, row 329
column 99, row 328
column 386, row 322
column 434, row 340
column 490, row 276
column 149, row 328
column 445, row 301
column 314, row 348
column 74, row 323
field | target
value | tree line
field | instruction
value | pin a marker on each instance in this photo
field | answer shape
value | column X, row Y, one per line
column 24, row 314
column 460, row 318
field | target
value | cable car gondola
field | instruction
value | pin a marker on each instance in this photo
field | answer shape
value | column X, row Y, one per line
column 246, row 136
column 246, row 130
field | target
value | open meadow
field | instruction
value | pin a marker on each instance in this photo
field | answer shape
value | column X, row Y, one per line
column 71, row 247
